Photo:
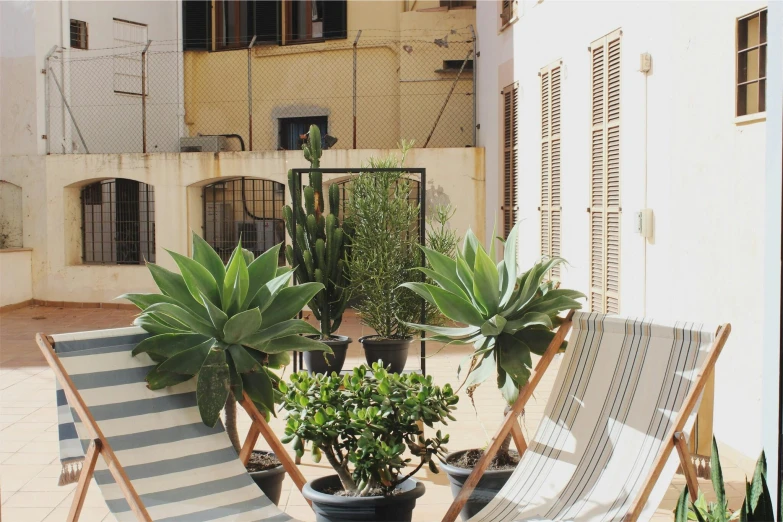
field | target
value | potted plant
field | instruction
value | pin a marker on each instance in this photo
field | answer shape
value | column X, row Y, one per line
column 508, row 316
column 320, row 254
column 362, row 423
column 228, row 326
column 384, row 244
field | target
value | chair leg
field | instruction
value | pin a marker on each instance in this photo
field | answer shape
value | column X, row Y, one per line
column 250, row 443
column 687, row 465
column 519, row 438
column 84, row 480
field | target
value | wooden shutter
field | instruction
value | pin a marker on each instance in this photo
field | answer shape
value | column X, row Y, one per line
column 510, row 156
column 506, row 12
column 196, row 25
column 550, row 209
column 605, row 206
column 267, row 19
column 335, row 19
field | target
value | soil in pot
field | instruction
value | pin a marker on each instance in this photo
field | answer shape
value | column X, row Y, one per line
column 268, row 473
column 332, row 505
column 458, row 467
column 393, row 352
column 318, row 362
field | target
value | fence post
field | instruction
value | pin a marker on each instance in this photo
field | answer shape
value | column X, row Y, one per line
column 144, row 97
column 475, row 83
column 355, row 50
column 250, row 91
column 45, row 72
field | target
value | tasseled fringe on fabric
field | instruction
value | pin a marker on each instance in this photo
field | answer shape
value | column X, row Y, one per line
column 702, row 466
column 70, row 472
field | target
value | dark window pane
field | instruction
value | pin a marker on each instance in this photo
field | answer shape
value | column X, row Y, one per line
column 762, row 95
column 763, row 28
column 742, row 34
column 763, row 61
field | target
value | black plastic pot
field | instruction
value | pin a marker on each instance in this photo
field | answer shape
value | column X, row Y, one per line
column 318, row 362
column 333, row 508
column 393, row 352
column 270, row 481
column 488, row 487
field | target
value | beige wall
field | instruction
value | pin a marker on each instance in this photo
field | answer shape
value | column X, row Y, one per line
column 52, row 209
column 16, row 283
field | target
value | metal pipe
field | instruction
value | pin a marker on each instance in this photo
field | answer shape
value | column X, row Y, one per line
column 448, row 97
column 68, row 107
column 475, row 83
column 250, row 91
column 355, row 51
column 144, row 97
column 46, row 96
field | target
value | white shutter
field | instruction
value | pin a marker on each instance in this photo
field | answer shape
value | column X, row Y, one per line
column 550, row 209
column 605, row 206
column 510, row 157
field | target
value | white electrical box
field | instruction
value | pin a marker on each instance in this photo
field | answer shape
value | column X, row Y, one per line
column 644, row 223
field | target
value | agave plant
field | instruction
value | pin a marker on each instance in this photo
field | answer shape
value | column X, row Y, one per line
column 508, row 315
column 226, row 325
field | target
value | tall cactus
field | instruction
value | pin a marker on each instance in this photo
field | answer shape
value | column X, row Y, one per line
column 322, row 246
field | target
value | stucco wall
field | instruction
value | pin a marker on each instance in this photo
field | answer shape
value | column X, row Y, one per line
column 16, row 282
column 52, row 210
column 682, row 154
column 10, row 215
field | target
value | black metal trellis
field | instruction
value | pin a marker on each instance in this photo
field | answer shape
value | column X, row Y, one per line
column 422, row 183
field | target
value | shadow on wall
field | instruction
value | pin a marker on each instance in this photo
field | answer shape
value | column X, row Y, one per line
column 435, row 196
column 10, row 215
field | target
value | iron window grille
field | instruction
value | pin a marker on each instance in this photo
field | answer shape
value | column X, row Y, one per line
column 118, row 222
column 79, row 34
column 246, row 208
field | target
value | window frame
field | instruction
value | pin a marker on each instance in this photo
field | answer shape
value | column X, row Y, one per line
column 118, row 58
column 218, row 23
column 513, row 14
column 81, row 24
column 758, row 115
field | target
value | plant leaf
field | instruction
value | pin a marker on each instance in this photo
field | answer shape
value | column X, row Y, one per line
column 486, row 282
column 455, row 307
column 185, row 317
column 537, row 340
column 759, row 476
column 278, row 360
column 292, row 343
column 681, row 510
column 265, row 296
column 213, row 386
column 218, row 316
column 259, row 388
column 514, row 358
column 173, row 285
column 289, row 302
column 242, row 325
column 243, row 361
column 483, row 370
column 157, row 379
column 260, row 272
column 149, row 324
column 236, row 282
column 445, row 282
column 510, row 260
column 144, row 301
column 188, row 362
column 282, row 329
column 197, row 278
column 170, row 344
column 528, row 320
column 469, row 247
column 234, row 379
column 205, row 255
column 493, row 326
column 716, row 474
column 451, row 333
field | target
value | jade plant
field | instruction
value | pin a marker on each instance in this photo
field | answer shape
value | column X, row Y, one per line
column 322, row 247
column 364, row 421
column 227, row 326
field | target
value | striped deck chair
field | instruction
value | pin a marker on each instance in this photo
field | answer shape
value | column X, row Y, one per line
column 625, row 396
column 160, row 462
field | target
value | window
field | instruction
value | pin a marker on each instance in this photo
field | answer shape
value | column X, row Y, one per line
column 233, row 24
column 510, row 152
column 78, row 34
column 248, row 208
column 130, row 39
column 456, row 65
column 550, row 163
column 458, row 4
column 605, row 174
column 293, row 131
column 118, row 222
column 752, row 63
column 508, row 12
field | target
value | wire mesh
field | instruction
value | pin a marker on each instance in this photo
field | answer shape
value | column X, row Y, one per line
column 368, row 91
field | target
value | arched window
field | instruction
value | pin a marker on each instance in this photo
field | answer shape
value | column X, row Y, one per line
column 118, row 222
column 248, row 208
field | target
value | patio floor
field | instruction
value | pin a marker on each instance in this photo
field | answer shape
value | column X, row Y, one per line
column 29, row 464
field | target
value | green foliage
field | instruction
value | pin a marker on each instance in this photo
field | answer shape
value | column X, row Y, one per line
column 227, row 325
column 443, row 239
column 322, row 246
column 508, row 315
column 384, row 247
column 757, row 506
column 364, row 421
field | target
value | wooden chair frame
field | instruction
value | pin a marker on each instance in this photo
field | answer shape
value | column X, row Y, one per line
column 676, row 438
column 100, row 446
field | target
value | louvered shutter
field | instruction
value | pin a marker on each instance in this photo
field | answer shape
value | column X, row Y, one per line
column 605, row 206
column 335, row 19
column 196, row 25
column 550, row 209
column 510, row 157
column 267, row 19
column 506, row 12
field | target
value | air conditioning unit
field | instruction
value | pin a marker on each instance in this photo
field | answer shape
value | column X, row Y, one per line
column 218, row 230
column 259, row 235
column 203, row 144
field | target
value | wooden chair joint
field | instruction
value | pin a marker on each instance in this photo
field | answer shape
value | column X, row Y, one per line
column 691, row 479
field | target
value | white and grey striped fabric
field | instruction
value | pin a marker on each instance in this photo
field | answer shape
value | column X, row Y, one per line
column 621, row 384
column 183, row 470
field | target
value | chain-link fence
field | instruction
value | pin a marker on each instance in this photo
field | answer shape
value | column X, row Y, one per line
column 368, row 91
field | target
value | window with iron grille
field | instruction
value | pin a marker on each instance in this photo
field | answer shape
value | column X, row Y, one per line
column 78, row 34
column 752, row 63
column 246, row 208
column 118, row 222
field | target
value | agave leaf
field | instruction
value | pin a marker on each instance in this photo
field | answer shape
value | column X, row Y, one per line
column 168, row 345
column 260, row 272
column 288, row 302
column 259, row 388
column 197, row 278
column 185, row 317
column 483, row 370
column 281, row 329
column 716, row 475
column 149, row 324
column 681, row 511
column 242, row 325
column 235, row 379
column 527, row 320
column 267, row 293
column 493, row 326
column 242, row 360
column 508, row 389
column 144, row 301
column 469, row 247
column 759, row 476
column 278, row 360
column 157, row 379
column 420, row 289
column 213, row 386
column 218, row 316
column 188, row 362
column 510, row 260
column 206, row 256
column 236, row 282
column 291, row 343
column 455, row 307
column 445, row 282
column 486, row 282
column 763, row 510
column 514, row 358
column 443, row 265
column 173, row 285
column 492, row 240
column 465, row 276
column 450, row 332
column 537, row 340
column 550, row 305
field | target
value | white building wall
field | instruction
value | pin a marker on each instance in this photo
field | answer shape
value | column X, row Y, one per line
column 682, row 154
